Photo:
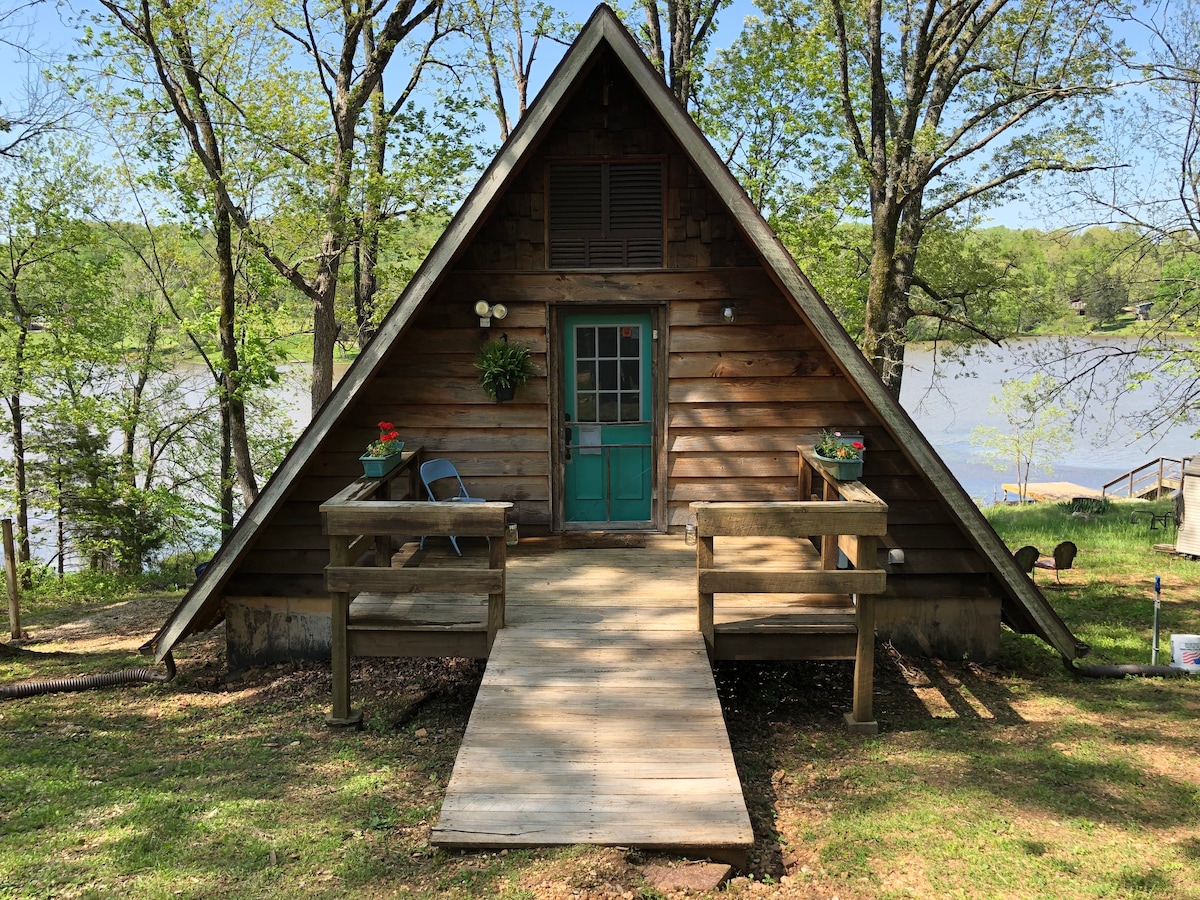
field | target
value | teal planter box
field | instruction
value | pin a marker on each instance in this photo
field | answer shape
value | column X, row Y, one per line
column 842, row 469
column 378, row 466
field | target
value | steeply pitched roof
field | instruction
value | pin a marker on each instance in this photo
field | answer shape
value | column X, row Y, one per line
column 1024, row 607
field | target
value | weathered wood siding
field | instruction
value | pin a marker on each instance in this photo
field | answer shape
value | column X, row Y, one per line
column 609, row 119
column 737, row 397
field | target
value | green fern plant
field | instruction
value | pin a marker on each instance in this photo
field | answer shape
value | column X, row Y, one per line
column 503, row 367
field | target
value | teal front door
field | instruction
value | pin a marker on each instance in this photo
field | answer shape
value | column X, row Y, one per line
column 607, row 407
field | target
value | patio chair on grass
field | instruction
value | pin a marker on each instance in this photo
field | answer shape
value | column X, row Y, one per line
column 1026, row 557
column 1064, row 555
column 443, row 471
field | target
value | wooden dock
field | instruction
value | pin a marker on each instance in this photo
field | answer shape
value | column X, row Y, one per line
column 1052, row 491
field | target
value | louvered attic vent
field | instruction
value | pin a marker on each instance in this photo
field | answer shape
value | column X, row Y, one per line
column 606, row 215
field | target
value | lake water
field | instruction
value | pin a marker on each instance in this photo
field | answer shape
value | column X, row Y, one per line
column 949, row 408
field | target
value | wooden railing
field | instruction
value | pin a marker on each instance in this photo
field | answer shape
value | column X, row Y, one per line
column 1157, row 475
column 854, row 525
column 401, row 483
column 357, row 526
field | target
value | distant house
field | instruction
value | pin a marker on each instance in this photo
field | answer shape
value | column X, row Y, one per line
column 1141, row 310
column 672, row 326
column 1079, row 305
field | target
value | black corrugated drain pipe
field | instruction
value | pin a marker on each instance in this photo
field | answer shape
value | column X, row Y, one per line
column 87, row 682
column 1122, row 671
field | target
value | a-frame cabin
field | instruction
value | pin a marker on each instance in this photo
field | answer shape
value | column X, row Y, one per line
column 683, row 356
column 685, row 366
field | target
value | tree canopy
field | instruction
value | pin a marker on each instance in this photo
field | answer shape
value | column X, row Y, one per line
column 929, row 113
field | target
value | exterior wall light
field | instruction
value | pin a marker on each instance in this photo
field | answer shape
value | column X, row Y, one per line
column 727, row 313
column 488, row 311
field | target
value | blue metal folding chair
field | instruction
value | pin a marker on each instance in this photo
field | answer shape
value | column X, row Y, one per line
column 436, row 470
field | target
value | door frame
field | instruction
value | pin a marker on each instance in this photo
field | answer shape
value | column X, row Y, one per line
column 558, row 313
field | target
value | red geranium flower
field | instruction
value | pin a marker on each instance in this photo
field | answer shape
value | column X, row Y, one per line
column 383, row 445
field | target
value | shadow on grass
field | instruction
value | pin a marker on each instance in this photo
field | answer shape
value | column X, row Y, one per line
column 953, row 743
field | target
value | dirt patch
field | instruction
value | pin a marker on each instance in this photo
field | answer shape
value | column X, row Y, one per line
column 117, row 626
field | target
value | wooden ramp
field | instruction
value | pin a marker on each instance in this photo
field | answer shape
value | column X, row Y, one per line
column 589, row 729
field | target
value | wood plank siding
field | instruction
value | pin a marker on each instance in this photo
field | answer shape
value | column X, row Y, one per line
column 735, row 400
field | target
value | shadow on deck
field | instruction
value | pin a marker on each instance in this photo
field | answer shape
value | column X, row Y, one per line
column 652, row 587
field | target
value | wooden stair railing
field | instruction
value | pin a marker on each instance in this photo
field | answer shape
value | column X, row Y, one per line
column 355, row 525
column 1152, row 477
column 854, row 526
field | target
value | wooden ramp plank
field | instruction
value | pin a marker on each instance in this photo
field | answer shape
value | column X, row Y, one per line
column 598, row 725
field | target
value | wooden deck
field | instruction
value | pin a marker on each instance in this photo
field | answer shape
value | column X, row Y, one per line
column 598, row 719
column 649, row 588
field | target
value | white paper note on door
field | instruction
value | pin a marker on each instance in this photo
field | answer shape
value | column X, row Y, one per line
column 589, row 440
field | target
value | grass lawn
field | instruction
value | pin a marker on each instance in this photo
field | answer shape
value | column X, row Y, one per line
column 1017, row 780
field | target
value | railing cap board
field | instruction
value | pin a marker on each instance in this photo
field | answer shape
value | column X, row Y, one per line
column 416, row 517
column 355, row 580
column 789, row 518
column 857, row 492
column 365, row 487
column 824, row 581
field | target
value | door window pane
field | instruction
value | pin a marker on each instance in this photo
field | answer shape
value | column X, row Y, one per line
column 631, row 374
column 630, row 339
column 631, row 407
column 608, row 373
column 586, row 407
column 608, row 342
column 585, row 375
column 609, row 409
column 585, row 343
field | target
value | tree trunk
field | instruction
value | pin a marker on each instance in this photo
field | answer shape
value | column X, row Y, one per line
column 134, row 416
column 365, row 282
column 225, row 468
column 21, row 485
column 886, row 320
column 229, row 378
column 17, row 434
column 333, row 244
column 325, row 323
column 60, row 529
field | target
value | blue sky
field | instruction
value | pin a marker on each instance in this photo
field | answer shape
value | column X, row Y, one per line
column 42, row 26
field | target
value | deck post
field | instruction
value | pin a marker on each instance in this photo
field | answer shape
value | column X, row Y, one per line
column 829, row 542
column 497, row 559
column 341, row 715
column 704, row 601
column 860, row 719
